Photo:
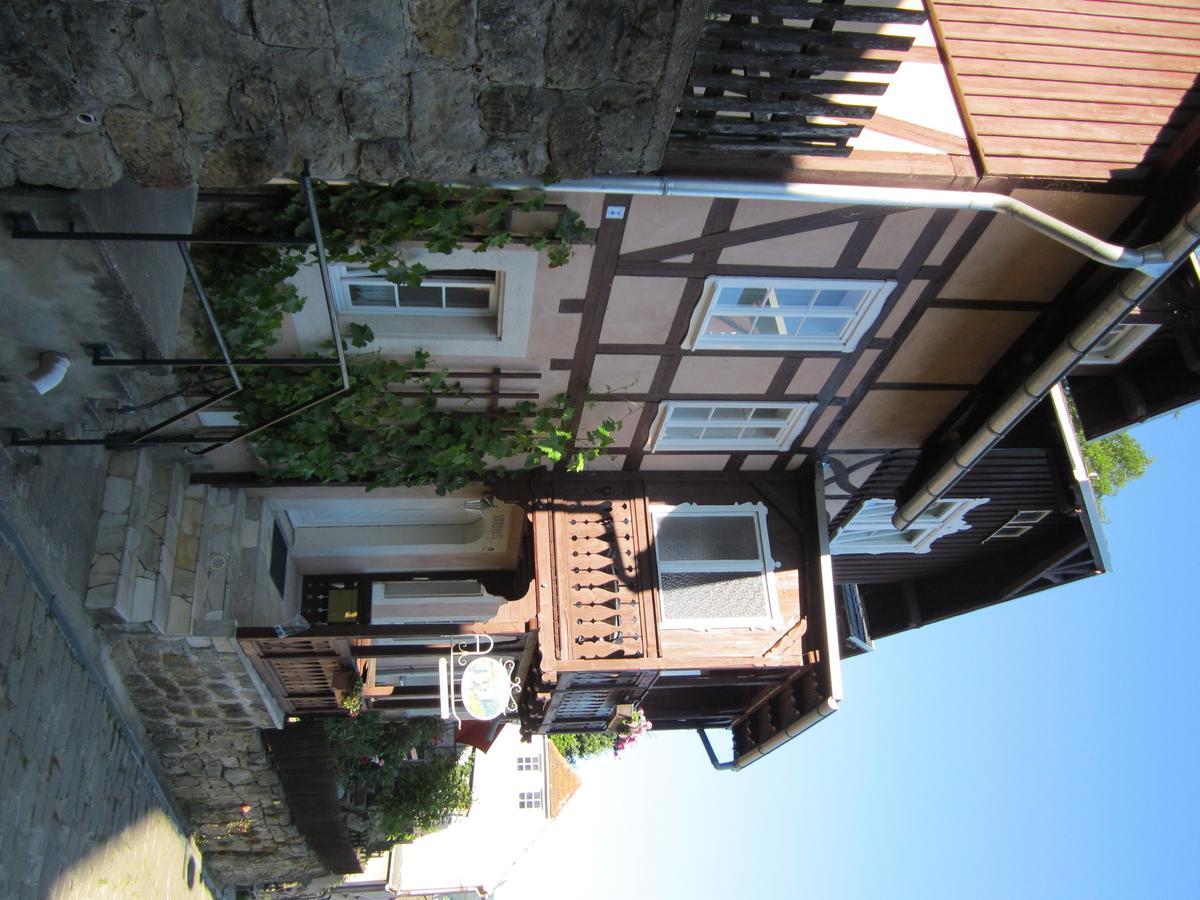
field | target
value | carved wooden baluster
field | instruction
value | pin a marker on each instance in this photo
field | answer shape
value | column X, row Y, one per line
column 614, row 621
column 611, row 603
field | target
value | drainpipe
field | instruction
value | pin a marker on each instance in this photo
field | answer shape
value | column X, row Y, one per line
column 1149, row 260
column 1151, row 264
column 1183, row 240
column 827, row 707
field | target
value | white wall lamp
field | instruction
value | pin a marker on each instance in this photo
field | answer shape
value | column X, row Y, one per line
column 51, row 369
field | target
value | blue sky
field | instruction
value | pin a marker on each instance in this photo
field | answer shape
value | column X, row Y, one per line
column 1043, row 748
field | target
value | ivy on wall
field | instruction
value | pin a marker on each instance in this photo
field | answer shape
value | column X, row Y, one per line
column 372, row 433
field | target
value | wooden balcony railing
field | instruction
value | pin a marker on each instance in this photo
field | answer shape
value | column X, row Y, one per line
column 772, row 77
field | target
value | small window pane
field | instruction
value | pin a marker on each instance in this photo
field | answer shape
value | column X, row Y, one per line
column 795, row 297
column 373, row 295
column 678, row 432
column 770, row 415
column 685, row 538
column 467, row 298
column 722, row 434
column 730, row 325
column 793, row 326
column 761, row 433
column 747, row 296
column 420, row 297
column 730, row 414
column 768, row 325
column 690, row 413
column 839, row 299
column 713, row 595
column 823, row 327
column 1029, row 517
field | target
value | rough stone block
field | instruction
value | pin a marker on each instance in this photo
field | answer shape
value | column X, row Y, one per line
column 150, row 146
column 511, row 35
column 245, row 162
column 142, row 608
column 101, row 596
column 123, row 464
column 448, row 98
column 292, row 23
column 225, row 628
column 238, row 776
column 441, row 27
column 179, row 616
column 186, row 550
column 372, row 37
column 118, row 492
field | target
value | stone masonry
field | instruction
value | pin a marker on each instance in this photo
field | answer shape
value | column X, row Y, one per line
column 81, row 817
column 203, row 717
column 234, row 92
column 179, row 558
column 176, row 568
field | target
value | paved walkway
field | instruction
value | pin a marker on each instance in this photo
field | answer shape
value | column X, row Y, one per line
column 80, row 817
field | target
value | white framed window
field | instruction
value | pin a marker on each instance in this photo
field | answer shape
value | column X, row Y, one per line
column 1118, row 344
column 529, row 764
column 714, row 567
column 786, row 313
column 445, row 316
column 1020, row 523
column 529, row 800
column 871, row 531
column 455, row 292
column 691, row 425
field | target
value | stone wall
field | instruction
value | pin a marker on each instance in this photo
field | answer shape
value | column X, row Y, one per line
column 233, row 92
column 202, row 715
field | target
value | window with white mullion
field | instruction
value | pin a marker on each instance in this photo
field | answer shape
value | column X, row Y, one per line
column 469, row 294
column 795, row 313
column 686, row 425
column 714, row 567
column 870, row 530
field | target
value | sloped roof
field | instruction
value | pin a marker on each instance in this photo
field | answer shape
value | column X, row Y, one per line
column 563, row 781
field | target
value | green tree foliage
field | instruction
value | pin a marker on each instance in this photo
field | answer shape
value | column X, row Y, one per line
column 424, row 795
column 1114, row 461
column 374, row 433
column 582, row 746
column 369, row 751
column 391, row 797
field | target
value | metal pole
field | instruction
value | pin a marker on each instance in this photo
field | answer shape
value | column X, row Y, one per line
column 202, row 363
column 27, row 234
column 326, row 282
column 209, row 314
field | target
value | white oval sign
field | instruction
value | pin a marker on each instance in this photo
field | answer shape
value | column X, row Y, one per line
column 486, row 687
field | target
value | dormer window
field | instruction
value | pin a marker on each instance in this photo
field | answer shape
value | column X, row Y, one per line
column 1116, row 346
column 871, row 530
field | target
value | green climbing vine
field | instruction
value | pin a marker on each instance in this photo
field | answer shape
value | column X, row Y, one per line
column 375, row 433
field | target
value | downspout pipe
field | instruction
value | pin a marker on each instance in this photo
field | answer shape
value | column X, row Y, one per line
column 826, row 707
column 1129, row 292
column 1149, row 260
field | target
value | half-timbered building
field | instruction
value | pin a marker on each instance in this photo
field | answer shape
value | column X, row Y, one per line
column 836, row 397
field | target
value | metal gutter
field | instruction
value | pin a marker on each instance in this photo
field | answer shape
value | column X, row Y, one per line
column 831, row 655
column 1177, row 246
column 1089, row 513
column 1149, row 259
column 1151, row 264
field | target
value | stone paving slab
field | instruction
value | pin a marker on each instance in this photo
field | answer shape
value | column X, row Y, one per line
column 81, row 818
